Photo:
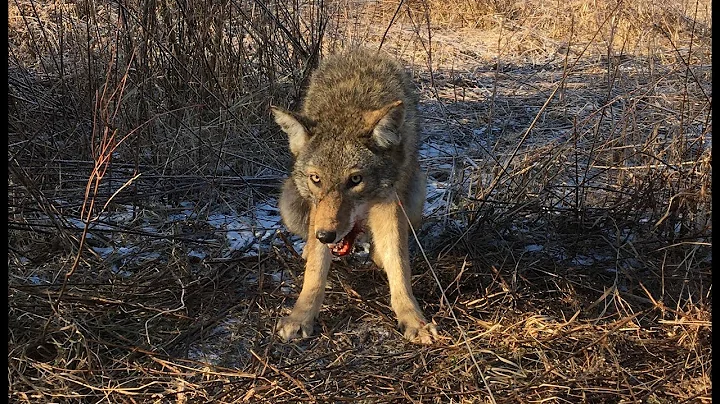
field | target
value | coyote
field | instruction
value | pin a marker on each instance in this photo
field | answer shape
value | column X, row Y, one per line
column 355, row 147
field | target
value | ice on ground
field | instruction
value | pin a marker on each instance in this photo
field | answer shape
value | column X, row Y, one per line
column 187, row 214
column 240, row 240
column 36, row 280
column 582, row 260
column 199, row 353
column 267, row 219
column 587, row 260
column 197, row 254
column 118, row 217
column 435, row 201
column 94, row 225
column 103, row 252
column 281, row 277
column 120, row 272
column 252, row 232
column 124, row 256
column 246, row 232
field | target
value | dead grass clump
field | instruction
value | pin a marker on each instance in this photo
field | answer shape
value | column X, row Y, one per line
column 640, row 21
column 198, row 80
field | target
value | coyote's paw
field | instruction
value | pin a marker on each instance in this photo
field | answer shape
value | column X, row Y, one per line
column 420, row 332
column 291, row 327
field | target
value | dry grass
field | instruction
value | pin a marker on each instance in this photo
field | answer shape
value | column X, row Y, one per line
column 568, row 249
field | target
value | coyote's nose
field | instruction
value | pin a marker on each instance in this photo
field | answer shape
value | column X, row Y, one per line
column 326, row 237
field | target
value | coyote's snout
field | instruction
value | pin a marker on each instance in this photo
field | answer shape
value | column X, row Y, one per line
column 338, row 222
column 355, row 146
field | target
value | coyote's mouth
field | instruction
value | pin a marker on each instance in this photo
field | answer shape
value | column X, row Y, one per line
column 344, row 246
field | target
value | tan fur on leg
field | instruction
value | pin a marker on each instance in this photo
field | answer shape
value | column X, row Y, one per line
column 390, row 240
column 302, row 317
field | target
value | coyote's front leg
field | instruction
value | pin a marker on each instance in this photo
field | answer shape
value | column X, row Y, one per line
column 389, row 230
column 308, row 304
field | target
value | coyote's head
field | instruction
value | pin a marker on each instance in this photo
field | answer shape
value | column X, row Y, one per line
column 343, row 160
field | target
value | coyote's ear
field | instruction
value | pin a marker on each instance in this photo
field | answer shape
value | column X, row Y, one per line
column 384, row 123
column 292, row 125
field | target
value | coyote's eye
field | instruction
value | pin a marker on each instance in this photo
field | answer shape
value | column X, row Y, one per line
column 315, row 178
column 355, row 179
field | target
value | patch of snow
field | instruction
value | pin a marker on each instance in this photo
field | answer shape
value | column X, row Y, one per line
column 582, row 260
column 240, row 240
column 586, row 260
column 282, row 277
column 118, row 217
column 94, row 225
column 197, row 353
column 197, row 254
column 435, row 200
column 120, row 272
column 123, row 251
column 144, row 257
column 279, row 276
column 299, row 245
column 36, row 280
column 103, row 252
